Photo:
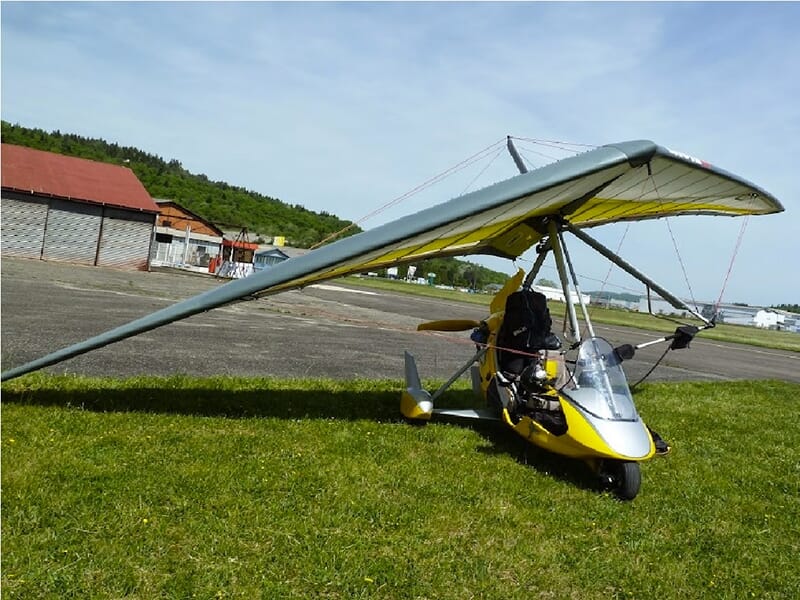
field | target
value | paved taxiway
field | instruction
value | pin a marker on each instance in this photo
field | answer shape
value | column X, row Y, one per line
column 325, row 331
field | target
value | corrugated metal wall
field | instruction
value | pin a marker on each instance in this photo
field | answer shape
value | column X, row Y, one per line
column 75, row 232
column 125, row 239
column 72, row 232
column 23, row 224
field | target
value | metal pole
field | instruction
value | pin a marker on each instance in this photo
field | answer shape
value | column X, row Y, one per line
column 584, row 310
column 631, row 270
column 512, row 149
column 186, row 246
column 458, row 373
column 535, row 269
column 562, row 275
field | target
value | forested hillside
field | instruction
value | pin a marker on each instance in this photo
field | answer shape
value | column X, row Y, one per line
column 225, row 205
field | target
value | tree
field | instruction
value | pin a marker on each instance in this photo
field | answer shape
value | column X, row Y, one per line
column 215, row 201
column 547, row 283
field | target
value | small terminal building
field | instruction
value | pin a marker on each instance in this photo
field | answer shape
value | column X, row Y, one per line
column 183, row 239
column 57, row 207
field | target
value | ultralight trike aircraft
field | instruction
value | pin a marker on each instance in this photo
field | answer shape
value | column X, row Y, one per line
column 583, row 411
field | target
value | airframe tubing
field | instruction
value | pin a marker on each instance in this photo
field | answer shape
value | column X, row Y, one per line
column 584, row 310
column 562, row 275
column 535, row 268
column 512, row 150
column 631, row 270
column 458, row 373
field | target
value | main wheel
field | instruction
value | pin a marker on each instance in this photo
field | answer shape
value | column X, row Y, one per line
column 624, row 478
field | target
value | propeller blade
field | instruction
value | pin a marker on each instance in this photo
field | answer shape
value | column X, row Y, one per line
column 449, row 325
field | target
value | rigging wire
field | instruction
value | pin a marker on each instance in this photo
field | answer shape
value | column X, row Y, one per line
column 611, row 267
column 551, row 144
column 680, row 262
column 482, row 171
column 619, row 247
column 542, row 154
column 730, row 265
column 675, row 245
column 480, row 155
column 560, row 145
column 586, row 277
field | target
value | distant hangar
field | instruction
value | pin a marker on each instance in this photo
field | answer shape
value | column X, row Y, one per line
column 57, row 207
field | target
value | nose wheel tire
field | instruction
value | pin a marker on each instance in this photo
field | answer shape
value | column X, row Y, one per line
column 624, row 478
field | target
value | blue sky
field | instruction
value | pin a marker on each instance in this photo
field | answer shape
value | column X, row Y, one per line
column 344, row 107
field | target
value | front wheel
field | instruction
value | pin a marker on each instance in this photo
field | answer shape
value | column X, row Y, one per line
column 624, row 478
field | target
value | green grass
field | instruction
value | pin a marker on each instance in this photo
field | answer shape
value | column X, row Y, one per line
column 262, row 488
column 765, row 338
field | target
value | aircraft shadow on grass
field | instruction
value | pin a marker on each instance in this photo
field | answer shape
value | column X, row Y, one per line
column 295, row 404
column 234, row 404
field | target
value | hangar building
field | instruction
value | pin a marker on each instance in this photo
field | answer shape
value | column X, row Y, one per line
column 57, row 207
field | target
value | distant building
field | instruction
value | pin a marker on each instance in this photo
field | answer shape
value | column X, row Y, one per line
column 616, row 303
column 237, row 258
column 659, row 306
column 183, row 239
column 57, row 207
column 791, row 321
column 730, row 314
column 269, row 255
column 769, row 319
column 264, row 259
column 558, row 294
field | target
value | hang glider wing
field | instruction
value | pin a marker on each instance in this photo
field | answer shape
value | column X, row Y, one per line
column 621, row 182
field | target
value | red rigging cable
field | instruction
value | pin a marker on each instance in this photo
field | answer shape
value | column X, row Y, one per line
column 680, row 262
column 480, row 155
column 495, row 150
column 611, row 267
column 388, row 326
column 497, row 153
column 733, row 258
column 675, row 245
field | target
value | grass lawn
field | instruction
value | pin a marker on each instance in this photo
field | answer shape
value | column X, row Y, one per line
column 765, row 338
column 264, row 488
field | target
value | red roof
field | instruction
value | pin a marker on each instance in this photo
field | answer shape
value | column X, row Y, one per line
column 240, row 244
column 48, row 174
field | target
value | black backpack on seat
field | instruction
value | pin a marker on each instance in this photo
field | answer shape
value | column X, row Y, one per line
column 526, row 328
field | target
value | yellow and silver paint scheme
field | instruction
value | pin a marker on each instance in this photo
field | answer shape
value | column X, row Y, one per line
column 582, row 439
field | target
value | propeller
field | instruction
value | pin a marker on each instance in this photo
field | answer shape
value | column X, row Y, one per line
column 449, row 325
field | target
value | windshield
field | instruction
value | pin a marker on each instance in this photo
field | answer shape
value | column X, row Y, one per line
column 602, row 388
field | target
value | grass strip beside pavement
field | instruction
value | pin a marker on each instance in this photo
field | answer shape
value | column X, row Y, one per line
column 239, row 488
column 741, row 334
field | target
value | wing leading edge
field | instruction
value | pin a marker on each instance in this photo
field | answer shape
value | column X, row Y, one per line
column 628, row 181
